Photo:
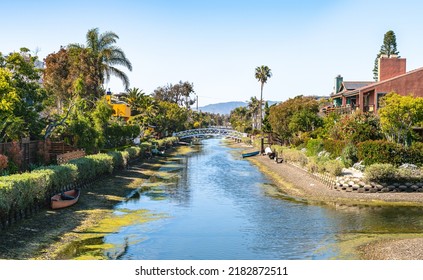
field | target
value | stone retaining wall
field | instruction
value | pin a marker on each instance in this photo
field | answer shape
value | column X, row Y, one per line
column 351, row 184
column 354, row 184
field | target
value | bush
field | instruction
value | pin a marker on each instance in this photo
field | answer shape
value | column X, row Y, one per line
column 134, row 152
column 334, row 167
column 312, row 165
column 58, row 176
column 389, row 173
column 6, row 197
column 314, row 146
column 120, row 159
column 334, row 147
column 3, row 162
column 381, row 172
column 295, row 156
column 414, row 154
column 380, row 151
column 103, row 163
column 349, row 155
column 22, row 190
column 93, row 165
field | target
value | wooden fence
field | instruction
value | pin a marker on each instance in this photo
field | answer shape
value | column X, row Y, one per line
column 32, row 151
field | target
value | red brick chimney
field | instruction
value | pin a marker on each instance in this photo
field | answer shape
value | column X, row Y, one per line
column 390, row 67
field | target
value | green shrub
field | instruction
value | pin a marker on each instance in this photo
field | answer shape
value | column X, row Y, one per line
column 120, row 159
column 103, row 163
column 134, row 152
column 349, row 155
column 23, row 190
column 296, row 156
column 380, row 151
column 414, row 154
column 58, row 175
column 381, row 172
column 334, row 167
column 312, row 165
column 314, row 146
column 6, row 197
column 278, row 149
column 334, row 147
column 93, row 165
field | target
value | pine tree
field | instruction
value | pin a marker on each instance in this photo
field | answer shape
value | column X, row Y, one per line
column 388, row 48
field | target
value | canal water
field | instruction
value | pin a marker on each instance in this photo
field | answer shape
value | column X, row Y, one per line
column 214, row 205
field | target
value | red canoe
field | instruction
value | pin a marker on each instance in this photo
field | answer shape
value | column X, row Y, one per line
column 64, row 199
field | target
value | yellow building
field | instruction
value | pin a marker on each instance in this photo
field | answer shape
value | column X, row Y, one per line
column 120, row 108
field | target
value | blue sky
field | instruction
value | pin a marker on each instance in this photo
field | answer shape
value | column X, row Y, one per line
column 217, row 44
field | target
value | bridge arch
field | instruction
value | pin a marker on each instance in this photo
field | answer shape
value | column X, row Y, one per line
column 222, row 131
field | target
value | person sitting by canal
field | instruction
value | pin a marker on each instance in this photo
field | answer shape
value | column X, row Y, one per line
column 268, row 151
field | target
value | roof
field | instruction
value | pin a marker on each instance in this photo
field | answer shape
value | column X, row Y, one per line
column 349, row 86
column 355, row 85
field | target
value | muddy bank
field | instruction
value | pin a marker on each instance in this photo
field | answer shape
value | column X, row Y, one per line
column 47, row 233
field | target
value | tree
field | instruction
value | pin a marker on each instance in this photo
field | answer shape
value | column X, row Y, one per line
column 296, row 115
column 389, row 47
column 254, row 111
column 266, row 124
column 134, row 98
column 104, row 56
column 239, row 119
column 22, row 99
column 170, row 118
column 398, row 114
column 179, row 94
column 262, row 74
column 357, row 127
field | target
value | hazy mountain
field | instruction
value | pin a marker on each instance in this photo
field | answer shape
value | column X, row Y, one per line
column 225, row 107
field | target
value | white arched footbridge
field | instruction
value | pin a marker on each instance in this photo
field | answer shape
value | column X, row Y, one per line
column 222, row 131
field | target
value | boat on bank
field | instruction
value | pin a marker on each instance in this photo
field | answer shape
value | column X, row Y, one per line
column 65, row 199
column 250, row 154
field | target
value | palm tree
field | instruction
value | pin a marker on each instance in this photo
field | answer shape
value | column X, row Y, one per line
column 254, row 108
column 105, row 56
column 134, row 99
column 262, row 74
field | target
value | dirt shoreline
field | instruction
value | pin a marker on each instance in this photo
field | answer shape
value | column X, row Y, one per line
column 302, row 185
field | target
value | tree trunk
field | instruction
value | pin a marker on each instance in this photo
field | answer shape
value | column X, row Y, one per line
column 261, row 107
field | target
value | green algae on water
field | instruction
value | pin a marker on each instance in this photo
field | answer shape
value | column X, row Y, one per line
column 91, row 245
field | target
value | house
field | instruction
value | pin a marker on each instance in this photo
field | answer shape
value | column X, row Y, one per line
column 120, row 108
column 365, row 96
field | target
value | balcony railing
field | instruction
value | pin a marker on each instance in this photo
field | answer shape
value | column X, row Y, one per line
column 342, row 110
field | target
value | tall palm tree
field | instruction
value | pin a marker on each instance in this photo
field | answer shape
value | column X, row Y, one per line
column 105, row 55
column 262, row 74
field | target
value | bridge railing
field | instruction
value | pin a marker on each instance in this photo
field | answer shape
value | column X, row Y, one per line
column 210, row 131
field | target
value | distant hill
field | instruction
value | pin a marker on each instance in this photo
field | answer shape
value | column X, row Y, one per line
column 225, row 108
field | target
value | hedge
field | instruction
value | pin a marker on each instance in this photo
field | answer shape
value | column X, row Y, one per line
column 380, row 151
column 388, row 173
column 20, row 191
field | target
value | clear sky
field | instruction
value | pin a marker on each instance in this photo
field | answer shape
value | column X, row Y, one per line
column 217, row 44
